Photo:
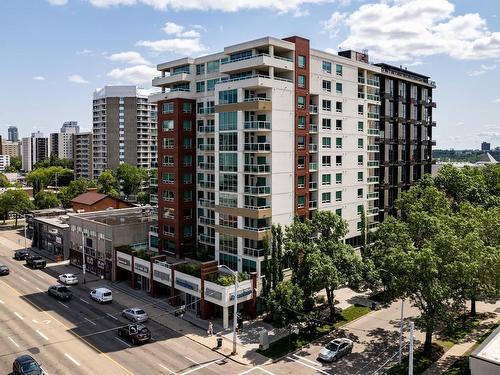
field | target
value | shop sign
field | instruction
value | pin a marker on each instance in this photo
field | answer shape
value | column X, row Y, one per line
column 186, row 284
column 161, row 275
column 100, row 264
column 241, row 293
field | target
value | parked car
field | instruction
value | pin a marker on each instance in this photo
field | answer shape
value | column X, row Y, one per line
column 26, row 364
column 61, row 292
column 335, row 349
column 101, row 295
column 68, row 279
column 35, row 261
column 4, row 270
column 136, row 333
column 135, row 314
column 21, row 254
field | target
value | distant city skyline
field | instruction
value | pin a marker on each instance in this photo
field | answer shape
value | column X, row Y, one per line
column 456, row 42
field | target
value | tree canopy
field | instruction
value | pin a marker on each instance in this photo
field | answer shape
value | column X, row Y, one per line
column 108, row 184
column 46, row 199
column 15, row 201
column 131, row 178
column 75, row 187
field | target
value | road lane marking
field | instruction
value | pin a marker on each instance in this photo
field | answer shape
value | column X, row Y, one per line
column 90, row 321
column 256, row 368
column 123, row 342
column 63, row 304
column 71, row 359
column 111, row 316
column 44, row 371
column 192, row 360
column 166, row 368
column 307, row 365
column 41, row 334
column 199, row 367
column 12, row 340
column 41, row 291
column 307, row 360
column 40, row 276
column 23, row 279
column 18, row 315
column 84, row 301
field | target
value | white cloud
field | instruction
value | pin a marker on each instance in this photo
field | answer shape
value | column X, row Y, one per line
column 488, row 67
column 333, row 24
column 476, row 73
column 39, row 78
column 135, row 74
column 129, row 57
column 76, row 78
column 171, row 28
column 399, row 30
column 280, row 6
column 497, row 100
column 483, row 69
column 58, row 2
column 176, row 45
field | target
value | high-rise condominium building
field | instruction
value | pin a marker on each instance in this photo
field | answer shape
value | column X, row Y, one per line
column 269, row 130
column 11, row 148
column 124, row 128
column 61, row 145
column 70, row 127
column 34, row 149
column 82, row 155
column 13, row 134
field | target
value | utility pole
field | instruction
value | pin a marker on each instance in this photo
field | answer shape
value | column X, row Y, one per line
column 410, row 358
column 25, row 224
column 401, row 332
column 84, row 265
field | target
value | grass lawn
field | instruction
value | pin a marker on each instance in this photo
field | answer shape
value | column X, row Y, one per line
column 286, row 345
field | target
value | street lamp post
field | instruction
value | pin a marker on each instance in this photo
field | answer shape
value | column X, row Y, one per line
column 401, row 332
column 25, row 224
column 235, row 311
column 84, row 265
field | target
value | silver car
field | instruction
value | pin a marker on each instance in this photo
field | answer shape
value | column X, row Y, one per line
column 335, row 349
column 135, row 314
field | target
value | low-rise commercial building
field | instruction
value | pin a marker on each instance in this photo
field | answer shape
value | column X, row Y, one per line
column 51, row 236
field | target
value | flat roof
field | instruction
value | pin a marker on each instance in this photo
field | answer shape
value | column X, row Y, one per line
column 54, row 221
column 489, row 350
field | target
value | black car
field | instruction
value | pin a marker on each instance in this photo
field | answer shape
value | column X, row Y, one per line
column 25, row 364
column 61, row 292
column 4, row 270
column 136, row 333
column 21, row 254
column 35, row 261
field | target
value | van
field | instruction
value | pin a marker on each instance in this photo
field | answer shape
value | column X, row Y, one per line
column 101, row 295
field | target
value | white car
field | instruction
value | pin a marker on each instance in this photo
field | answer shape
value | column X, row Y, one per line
column 68, row 279
column 101, row 295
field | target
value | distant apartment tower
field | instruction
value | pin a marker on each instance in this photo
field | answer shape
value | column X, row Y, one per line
column 82, row 155
column 485, row 146
column 70, row 127
column 34, row 149
column 61, row 145
column 13, row 134
column 4, row 162
column 13, row 149
column 124, row 129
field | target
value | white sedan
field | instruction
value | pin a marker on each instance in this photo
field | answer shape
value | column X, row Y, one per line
column 68, row 279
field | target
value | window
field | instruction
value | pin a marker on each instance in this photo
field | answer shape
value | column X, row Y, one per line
column 168, row 143
column 168, row 107
column 168, row 160
column 212, row 66
column 338, row 160
column 187, row 160
column 360, row 176
column 301, row 102
column 168, row 125
column 228, row 200
column 338, row 70
column 338, row 212
column 326, row 161
column 360, row 209
column 338, row 88
column 326, row 124
column 228, row 96
column 301, row 81
column 301, row 61
column 360, row 159
column 301, row 181
column 359, row 226
column 301, row 201
column 301, row 162
column 200, row 108
column 187, row 231
column 326, row 198
column 301, row 142
column 168, row 178
column 360, row 142
column 187, row 143
column 168, row 230
column 187, row 195
column 338, row 143
column 301, row 122
column 228, row 182
column 228, row 142
column 228, row 162
column 327, row 67
column 211, row 84
column 187, row 107
column 360, row 193
column 200, row 69
column 326, row 179
column 361, row 126
column 187, row 178
column 338, row 196
column 200, row 86
column 326, row 142
column 338, row 124
column 327, row 105
column 187, row 125
column 338, row 178
column 327, row 85
column 361, row 109
column 228, row 120
column 338, row 107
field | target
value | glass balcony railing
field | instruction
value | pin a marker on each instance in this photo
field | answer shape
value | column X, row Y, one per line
column 313, row 204
column 257, row 168
column 257, row 190
column 313, row 147
column 373, row 195
column 257, row 125
column 265, row 146
column 313, row 108
column 372, row 180
column 313, row 166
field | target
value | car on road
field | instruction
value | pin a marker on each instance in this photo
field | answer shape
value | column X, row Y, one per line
column 68, row 279
column 4, row 270
column 101, row 295
column 21, row 254
column 26, row 364
column 35, row 261
column 61, row 292
column 335, row 349
column 136, row 333
column 135, row 314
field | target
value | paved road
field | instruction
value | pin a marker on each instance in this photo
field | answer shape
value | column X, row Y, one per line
column 79, row 336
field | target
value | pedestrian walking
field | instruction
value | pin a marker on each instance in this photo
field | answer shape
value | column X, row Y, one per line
column 210, row 330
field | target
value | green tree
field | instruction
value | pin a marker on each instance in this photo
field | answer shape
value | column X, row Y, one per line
column 4, row 182
column 143, row 197
column 46, row 199
column 54, row 161
column 43, row 177
column 16, row 201
column 75, row 187
column 285, row 303
column 107, row 184
column 15, row 164
column 131, row 178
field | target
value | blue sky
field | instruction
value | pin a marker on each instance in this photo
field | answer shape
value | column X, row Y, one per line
column 54, row 53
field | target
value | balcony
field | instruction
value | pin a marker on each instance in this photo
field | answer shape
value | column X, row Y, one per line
column 206, row 220
column 373, row 115
column 207, row 166
column 206, row 147
column 373, row 97
column 206, row 129
column 313, row 109
column 257, row 168
column 258, row 190
column 372, row 180
column 206, row 184
column 373, row 163
column 253, row 252
column 313, row 205
column 259, row 61
column 361, row 95
column 153, row 198
column 153, row 182
column 373, row 82
column 313, row 167
column 257, row 125
column 171, row 79
column 361, row 80
column 204, row 238
column 373, row 148
column 372, row 195
column 258, row 147
column 375, row 132
column 206, row 203
column 256, row 229
column 372, row 211
column 313, row 147
column 313, row 128
column 255, row 103
column 313, row 185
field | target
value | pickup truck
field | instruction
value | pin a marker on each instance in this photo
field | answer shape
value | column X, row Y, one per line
column 61, row 292
column 35, row 261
